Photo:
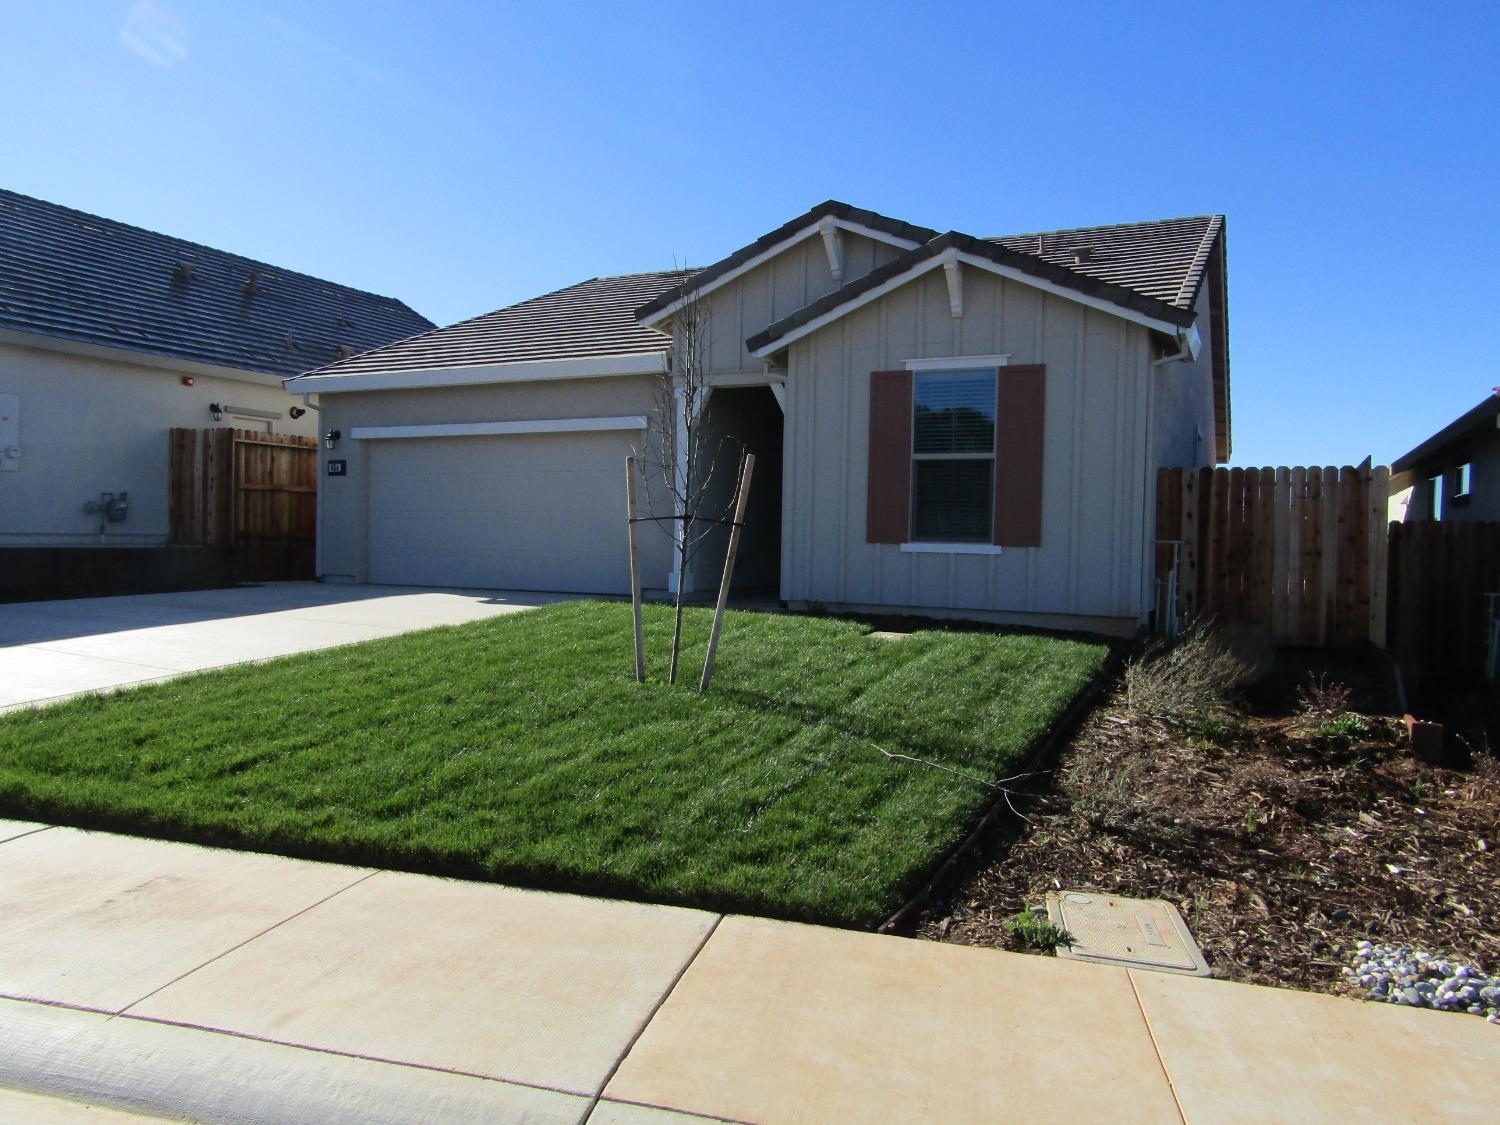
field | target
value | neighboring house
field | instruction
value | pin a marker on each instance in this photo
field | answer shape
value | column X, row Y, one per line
column 111, row 335
column 1454, row 474
column 944, row 425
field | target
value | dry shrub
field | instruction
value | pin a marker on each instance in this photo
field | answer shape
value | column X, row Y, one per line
column 1183, row 681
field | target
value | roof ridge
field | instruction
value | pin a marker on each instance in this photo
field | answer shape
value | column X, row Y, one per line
column 119, row 223
column 1209, row 215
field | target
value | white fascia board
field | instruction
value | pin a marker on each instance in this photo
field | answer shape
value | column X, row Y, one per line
column 593, row 367
column 957, row 362
column 490, row 429
column 809, row 231
column 1010, row 273
column 952, row 255
column 135, row 358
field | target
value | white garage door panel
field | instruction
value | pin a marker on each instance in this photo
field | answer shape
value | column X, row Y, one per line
column 518, row 512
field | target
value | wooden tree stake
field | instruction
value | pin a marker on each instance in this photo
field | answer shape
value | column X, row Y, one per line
column 747, row 468
column 635, row 572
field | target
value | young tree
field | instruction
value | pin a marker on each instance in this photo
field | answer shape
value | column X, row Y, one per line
column 679, row 457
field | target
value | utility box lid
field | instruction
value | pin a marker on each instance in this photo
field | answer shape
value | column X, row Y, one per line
column 1138, row 933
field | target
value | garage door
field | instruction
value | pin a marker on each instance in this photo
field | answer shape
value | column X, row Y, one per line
column 519, row 512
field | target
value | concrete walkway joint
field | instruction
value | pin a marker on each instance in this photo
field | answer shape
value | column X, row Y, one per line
column 152, row 977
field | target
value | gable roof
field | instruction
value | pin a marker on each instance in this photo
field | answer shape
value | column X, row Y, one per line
column 1165, row 259
column 1480, row 418
column 75, row 276
column 1040, row 269
column 595, row 318
column 704, row 279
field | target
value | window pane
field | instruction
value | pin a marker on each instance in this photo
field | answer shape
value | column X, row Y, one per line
column 955, row 412
column 953, row 501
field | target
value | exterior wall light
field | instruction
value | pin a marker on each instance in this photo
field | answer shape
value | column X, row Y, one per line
column 217, row 411
column 331, row 438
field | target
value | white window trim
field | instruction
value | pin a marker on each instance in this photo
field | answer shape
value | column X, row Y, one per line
column 488, row 429
column 928, row 547
column 958, row 363
column 938, row 546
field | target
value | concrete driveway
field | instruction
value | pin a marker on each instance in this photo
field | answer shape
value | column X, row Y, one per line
column 51, row 650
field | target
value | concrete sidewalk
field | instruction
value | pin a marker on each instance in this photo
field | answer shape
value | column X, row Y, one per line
column 52, row 650
column 151, row 977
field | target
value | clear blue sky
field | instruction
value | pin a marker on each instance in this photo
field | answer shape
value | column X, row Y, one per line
column 464, row 156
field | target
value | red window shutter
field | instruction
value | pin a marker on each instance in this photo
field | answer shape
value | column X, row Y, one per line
column 1021, row 412
column 887, row 519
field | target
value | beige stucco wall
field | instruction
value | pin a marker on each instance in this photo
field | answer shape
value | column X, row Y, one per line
column 344, row 501
column 92, row 423
column 1090, row 567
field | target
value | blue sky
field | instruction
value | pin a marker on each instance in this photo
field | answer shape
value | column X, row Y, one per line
column 464, row 156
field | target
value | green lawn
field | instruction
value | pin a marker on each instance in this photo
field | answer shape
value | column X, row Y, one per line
column 520, row 749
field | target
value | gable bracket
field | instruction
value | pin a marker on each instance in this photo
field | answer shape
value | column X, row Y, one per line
column 833, row 243
column 955, row 275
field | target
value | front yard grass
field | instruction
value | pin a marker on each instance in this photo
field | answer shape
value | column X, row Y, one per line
column 521, row 750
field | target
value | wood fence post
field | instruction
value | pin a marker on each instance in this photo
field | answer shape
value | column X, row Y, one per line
column 747, row 469
column 635, row 572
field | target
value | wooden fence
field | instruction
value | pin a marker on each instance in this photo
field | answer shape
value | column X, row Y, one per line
column 252, row 493
column 1300, row 552
column 1439, row 576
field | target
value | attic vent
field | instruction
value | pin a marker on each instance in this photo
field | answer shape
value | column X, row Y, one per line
column 344, row 350
column 291, row 342
column 182, row 273
column 252, row 284
column 1041, row 244
column 1083, row 255
column 343, row 320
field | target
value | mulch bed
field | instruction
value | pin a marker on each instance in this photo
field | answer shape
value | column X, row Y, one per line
column 1281, row 847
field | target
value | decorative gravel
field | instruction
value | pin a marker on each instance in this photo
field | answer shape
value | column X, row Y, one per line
column 1398, row 974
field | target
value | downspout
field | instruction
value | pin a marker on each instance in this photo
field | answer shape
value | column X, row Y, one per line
column 1148, row 509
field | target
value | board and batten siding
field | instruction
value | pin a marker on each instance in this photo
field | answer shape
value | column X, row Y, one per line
column 790, row 281
column 1091, row 565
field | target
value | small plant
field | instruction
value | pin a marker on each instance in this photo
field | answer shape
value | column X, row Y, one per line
column 1185, row 681
column 1031, row 930
column 1325, row 710
column 1345, row 728
column 1322, row 699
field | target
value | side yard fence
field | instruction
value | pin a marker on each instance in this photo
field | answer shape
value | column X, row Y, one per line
column 1297, row 551
column 1307, row 555
column 252, row 493
column 1445, row 591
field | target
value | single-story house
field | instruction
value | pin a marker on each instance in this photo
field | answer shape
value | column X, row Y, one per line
column 944, row 425
column 111, row 335
column 1455, row 473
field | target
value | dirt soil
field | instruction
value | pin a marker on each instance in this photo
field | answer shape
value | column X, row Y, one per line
column 1281, row 846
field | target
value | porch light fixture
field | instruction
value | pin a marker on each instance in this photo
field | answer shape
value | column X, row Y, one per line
column 217, row 411
column 331, row 438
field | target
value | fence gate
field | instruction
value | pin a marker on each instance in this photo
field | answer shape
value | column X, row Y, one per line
column 252, row 493
column 1300, row 552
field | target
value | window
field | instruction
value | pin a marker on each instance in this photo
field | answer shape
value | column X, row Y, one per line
column 1435, row 494
column 953, row 456
column 1461, row 481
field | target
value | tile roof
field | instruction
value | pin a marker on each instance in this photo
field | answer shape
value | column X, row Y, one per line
column 76, row 276
column 1164, row 259
column 593, row 318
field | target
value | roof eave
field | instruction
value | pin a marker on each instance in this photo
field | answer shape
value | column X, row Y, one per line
column 1464, row 426
column 871, row 224
column 1025, row 268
